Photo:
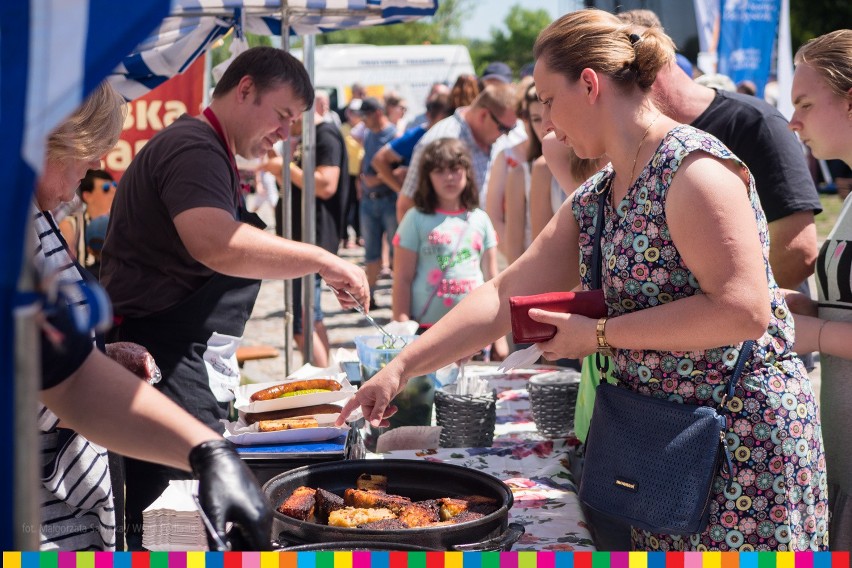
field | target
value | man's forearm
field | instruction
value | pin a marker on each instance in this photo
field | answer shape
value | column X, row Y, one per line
column 793, row 248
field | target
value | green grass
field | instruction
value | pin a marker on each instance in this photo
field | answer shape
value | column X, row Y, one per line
column 831, row 206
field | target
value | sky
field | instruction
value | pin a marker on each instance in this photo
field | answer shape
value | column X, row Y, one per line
column 487, row 14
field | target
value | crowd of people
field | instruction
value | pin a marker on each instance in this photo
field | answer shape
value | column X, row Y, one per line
column 708, row 239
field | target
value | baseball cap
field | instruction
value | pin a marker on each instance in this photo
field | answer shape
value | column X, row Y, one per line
column 96, row 232
column 497, row 70
column 354, row 105
column 370, row 104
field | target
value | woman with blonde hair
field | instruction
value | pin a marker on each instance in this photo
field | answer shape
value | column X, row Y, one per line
column 822, row 97
column 686, row 280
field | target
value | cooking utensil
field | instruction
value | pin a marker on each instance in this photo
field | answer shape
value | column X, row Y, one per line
column 416, row 479
column 220, row 545
column 356, row 545
column 390, row 339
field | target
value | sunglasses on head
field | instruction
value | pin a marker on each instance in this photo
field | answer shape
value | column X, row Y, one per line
column 500, row 126
column 108, row 185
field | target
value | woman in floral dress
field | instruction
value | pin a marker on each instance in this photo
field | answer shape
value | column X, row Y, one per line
column 686, row 277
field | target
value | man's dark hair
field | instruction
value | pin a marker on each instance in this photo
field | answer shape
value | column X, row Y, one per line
column 87, row 184
column 269, row 68
column 439, row 106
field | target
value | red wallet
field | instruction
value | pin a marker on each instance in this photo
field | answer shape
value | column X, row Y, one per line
column 526, row 330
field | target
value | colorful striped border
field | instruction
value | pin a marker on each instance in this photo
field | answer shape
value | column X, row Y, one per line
column 426, row 560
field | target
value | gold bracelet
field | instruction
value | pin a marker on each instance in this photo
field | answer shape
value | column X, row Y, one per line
column 604, row 347
column 819, row 336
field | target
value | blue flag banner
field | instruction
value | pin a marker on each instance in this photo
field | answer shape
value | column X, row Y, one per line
column 746, row 36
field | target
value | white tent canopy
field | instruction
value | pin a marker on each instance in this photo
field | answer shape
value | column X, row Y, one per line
column 194, row 25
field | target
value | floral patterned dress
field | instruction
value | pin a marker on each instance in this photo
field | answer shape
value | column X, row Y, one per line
column 778, row 498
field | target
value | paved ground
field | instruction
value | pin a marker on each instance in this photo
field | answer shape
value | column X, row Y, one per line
column 266, row 326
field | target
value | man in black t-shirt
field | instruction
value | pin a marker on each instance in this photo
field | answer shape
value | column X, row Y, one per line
column 331, row 183
column 757, row 133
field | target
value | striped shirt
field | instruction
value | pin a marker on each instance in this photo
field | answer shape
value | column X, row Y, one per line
column 77, row 510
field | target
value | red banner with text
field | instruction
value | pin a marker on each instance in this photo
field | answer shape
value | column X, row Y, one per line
column 151, row 113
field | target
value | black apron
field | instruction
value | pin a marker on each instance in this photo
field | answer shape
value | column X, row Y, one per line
column 187, row 343
column 194, row 344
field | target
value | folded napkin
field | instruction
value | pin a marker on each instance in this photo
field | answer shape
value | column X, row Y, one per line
column 172, row 522
column 409, row 438
column 520, row 359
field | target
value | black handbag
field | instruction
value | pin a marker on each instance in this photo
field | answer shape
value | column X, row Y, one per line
column 650, row 462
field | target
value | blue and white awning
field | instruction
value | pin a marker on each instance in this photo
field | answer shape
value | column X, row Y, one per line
column 194, row 25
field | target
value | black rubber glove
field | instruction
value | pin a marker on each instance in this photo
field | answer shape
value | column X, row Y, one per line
column 229, row 492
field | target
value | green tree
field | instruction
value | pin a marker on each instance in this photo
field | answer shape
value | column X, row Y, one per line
column 514, row 47
column 222, row 49
column 809, row 19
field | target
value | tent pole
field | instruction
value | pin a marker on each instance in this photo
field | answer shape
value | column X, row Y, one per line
column 284, row 226
column 27, row 383
column 308, row 203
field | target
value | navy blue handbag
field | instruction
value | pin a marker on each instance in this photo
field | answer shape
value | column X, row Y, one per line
column 651, row 462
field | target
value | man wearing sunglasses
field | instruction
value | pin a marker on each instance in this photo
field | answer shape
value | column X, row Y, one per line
column 97, row 191
column 489, row 117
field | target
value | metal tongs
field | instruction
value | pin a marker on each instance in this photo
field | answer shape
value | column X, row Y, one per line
column 211, row 530
column 390, row 340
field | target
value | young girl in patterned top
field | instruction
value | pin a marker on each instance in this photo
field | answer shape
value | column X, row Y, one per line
column 445, row 246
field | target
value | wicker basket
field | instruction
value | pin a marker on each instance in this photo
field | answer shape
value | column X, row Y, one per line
column 552, row 400
column 465, row 421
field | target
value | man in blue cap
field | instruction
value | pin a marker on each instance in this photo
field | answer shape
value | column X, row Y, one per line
column 496, row 73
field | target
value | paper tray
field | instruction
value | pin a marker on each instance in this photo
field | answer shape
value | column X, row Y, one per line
column 236, row 433
column 243, row 401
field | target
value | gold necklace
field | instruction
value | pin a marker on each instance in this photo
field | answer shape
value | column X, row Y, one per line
column 636, row 157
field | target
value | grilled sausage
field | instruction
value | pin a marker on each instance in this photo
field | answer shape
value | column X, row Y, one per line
column 279, row 391
column 252, row 417
column 286, row 424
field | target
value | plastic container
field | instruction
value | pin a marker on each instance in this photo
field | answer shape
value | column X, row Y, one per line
column 373, row 355
column 552, row 400
column 416, row 400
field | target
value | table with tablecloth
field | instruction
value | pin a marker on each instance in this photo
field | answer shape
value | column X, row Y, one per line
column 534, row 467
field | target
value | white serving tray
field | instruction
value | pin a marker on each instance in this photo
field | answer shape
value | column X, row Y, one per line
column 241, row 434
column 243, row 395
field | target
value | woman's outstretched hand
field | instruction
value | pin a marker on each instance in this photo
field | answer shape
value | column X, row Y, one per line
column 374, row 397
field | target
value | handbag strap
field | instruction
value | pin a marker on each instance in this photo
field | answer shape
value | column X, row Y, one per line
column 601, row 361
column 746, row 348
column 447, row 267
column 596, row 282
column 595, row 267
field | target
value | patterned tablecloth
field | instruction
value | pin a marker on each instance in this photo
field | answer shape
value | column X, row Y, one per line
column 535, row 468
